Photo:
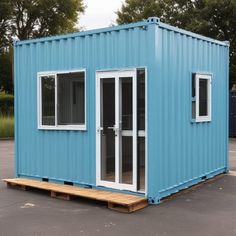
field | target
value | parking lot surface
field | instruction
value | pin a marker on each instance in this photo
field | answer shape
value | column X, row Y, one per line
column 208, row 210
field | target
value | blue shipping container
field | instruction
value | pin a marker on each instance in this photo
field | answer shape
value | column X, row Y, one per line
column 140, row 108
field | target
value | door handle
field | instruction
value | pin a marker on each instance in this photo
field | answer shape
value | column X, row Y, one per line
column 99, row 129
column 114, row 128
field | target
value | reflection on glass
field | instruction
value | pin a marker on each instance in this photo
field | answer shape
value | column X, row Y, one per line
column 71, row 98
column 127, row 160
column 127, row 103
column 108, row 135
column 141, row 163
column 48, row 100
column 203, row 97
column 141, row 98
column 193, row 109
column 193, row 85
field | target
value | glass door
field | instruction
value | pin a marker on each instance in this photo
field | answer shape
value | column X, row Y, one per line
column 117, row 130
column 108, row 135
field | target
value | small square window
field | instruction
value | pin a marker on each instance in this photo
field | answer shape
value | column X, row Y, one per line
column 201, row 97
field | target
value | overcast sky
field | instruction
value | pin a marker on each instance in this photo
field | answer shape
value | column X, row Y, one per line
column 99, row 13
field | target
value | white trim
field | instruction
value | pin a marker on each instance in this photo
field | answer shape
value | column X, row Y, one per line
column 119, row 110
column 63, row 127
column 43, row 73
column 82, row 127
column 207, row 77
column 56, row 101
column 38, row 101
column 116, row 126
column 135, row 156
column 146, row 131
column 115, row 73
column 140, row 133
column 98, row 127
column 118, row 70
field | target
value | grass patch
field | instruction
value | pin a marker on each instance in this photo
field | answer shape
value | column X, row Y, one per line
column 6, row 126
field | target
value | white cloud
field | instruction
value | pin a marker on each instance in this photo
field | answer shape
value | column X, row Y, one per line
column 99, row 13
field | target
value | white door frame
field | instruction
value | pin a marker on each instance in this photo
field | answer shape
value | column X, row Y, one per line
column 116, row 75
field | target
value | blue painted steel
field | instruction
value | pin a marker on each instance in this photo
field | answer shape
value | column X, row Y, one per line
column 180, row 152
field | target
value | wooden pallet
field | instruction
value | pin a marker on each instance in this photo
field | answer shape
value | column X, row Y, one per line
column 116, row 201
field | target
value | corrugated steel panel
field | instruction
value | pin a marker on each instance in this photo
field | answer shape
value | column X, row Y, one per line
column 69, row 155
column 180, row 152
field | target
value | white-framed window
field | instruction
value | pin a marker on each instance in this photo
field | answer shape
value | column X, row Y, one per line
column 201, row 97
column 62, row 100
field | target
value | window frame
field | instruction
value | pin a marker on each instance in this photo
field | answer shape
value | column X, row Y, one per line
column 81, row 127
column 208, row 77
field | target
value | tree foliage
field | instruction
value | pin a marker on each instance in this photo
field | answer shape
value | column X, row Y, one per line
column 212, row 18
column 5, row 14
column 37, row 18
column 25, row 19
column 6, row 78
column 137, row 10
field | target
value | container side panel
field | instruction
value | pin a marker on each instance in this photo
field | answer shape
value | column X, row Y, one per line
column 180, row 150
column 69, row 155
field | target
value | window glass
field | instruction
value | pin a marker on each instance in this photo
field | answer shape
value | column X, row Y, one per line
column 141, row 163
column 127, row 160
column 141, row 98
column 203, row 97
column 71, row 99
column 48, row 100
column 193, row 97
column 107, row 117
column 193, row 109
column 193, row 86
column 127, row 103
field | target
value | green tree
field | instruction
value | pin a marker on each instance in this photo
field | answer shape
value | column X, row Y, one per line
column 25, row 19
column 5, row 14
column 137, row 10
column 212, row 18
column 6, row 78
column 37, row 18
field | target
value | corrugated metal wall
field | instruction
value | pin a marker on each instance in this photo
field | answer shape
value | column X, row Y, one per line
column 181, row 151
column 69, row 155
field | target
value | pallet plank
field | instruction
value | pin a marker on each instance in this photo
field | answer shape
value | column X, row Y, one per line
column 62, row 196
column 16, row 186
column 128, row 208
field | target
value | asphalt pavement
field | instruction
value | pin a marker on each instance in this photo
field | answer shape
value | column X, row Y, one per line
column 209, row 210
